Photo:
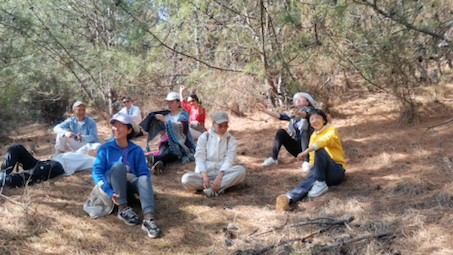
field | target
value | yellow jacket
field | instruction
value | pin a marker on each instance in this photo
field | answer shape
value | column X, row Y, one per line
column 329, row 139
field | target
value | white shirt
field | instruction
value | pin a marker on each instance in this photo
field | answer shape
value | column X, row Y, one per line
column 172, row 118
column 215, row 153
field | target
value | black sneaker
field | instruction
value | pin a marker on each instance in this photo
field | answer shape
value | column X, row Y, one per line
column 158, row 167
column 128, row 216
column 151, row 228
column 150, row 161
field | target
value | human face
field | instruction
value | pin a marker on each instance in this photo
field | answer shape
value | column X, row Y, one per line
column 80, row 112
column 316, row 121
column 173, row 105
column 220, row 129
column 127, row 103
column 192, row 102
column 301, row 102
column 120, row 131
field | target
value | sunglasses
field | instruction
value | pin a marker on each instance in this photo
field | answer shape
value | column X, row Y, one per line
column 125, row 102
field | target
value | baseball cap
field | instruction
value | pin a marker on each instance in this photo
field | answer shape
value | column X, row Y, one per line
column 78, row 103
column 172, row 96
column 121, row 117
column 306, row 95
column 220, row 117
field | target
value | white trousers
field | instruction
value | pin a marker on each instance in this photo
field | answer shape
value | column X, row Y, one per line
column 233, row 176
column 66, row 144
column 194, row 133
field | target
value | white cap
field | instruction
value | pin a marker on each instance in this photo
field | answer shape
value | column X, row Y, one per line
column 220, row 117
column 77, row 104
column 172, row 96
column 121, row 117
column 306, row 95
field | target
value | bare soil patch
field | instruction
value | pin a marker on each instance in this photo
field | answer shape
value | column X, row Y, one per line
column 395, row 183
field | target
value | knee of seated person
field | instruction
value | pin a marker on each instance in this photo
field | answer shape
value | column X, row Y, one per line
column 15, row 145
column 185, row 179
column 143, row 178
column 120, row 166
column 281, row 132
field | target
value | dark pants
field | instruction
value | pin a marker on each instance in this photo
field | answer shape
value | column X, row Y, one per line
column 165, row 154
column 283, row 138
column 34, row 170
column 324, row 169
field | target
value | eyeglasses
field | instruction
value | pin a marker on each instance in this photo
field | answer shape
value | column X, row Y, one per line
column 125, row 102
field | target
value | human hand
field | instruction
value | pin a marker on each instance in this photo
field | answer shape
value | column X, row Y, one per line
column 77, row 137
column 206, row 182
column 114, row 196
column 91, row 153
column 182, row 88
column 302, row 155
column 260, row 107
column 69, row 134
column 160, row 117
column 216, row 184
column 294, row 112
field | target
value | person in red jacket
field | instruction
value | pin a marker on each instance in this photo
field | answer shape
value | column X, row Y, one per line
column 197, row 113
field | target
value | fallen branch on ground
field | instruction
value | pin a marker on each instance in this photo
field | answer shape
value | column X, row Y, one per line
column 331, row 222
column 435, row 131
column 356, row 240
column 325, row 220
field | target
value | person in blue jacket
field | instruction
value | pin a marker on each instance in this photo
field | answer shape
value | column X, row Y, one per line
column 76, row 131
column 121, row 166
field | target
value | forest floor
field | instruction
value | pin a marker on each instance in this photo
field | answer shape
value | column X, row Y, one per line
column 396, row 184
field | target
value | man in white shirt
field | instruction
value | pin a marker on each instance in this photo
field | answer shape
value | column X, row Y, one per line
column 134, row 112
column 76, row 131
column 214, row 158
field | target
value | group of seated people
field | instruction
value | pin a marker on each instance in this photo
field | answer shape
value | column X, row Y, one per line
column 122, row 171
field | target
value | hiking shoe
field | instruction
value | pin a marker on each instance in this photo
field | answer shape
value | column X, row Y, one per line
column 128, row 216
column 306, row 166
column 151, row 228
column 150, row 161
column 221, row 191
column 318, row 189
column 158, row 167
column 208, row 192
column 282, row 203
column 270, row 161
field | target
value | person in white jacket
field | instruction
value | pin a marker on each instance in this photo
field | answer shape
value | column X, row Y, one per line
column 134, row 112
column 214, row 159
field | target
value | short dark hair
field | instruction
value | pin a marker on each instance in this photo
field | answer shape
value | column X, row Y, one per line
column 195, row 97
column 132, row 134
column 127, row 97
column 318, row 112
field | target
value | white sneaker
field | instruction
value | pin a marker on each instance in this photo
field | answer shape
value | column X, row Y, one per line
column 270, row 161
column 306, row 166
column 318, row 189
column 209, row 193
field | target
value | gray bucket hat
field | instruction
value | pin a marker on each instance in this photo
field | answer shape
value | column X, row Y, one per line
column 306, row 95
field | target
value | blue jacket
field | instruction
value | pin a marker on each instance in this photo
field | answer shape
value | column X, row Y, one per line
column 89, row 131
column 109, row 154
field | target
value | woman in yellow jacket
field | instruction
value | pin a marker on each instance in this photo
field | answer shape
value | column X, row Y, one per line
column 327, row 158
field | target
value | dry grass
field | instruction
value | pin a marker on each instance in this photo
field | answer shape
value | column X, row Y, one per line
column 393, row 184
